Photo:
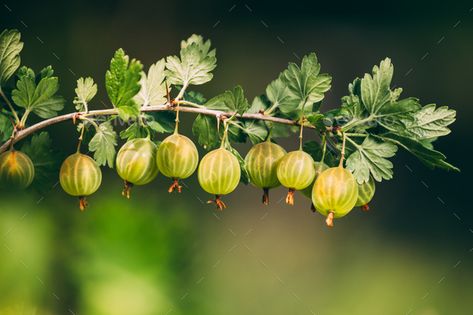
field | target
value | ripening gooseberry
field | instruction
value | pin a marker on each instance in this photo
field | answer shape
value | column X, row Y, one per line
column 261, row 163
column 177, row 158
column 136, row 163
column 295, row 171
column 219, row 174
column 16, row 170
column 80, row 176
column 365, row 194
column 319, row 168
column 335, row 193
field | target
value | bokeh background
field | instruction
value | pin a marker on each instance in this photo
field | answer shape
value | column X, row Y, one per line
column 173, row 254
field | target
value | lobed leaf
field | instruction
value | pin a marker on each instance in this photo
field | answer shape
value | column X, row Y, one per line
column 122, row 84
column 195, row 64
column 370, row 158
column 375, row 88
column 153, row 88
column 103, row 144
column 428, row 123
column 38, row 97
column 10, row 48
column 306, row 86
column 424, row 152
column 232, row 101
column 85, row 91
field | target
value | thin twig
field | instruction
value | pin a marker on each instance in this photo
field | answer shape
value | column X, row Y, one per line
column 155, row 108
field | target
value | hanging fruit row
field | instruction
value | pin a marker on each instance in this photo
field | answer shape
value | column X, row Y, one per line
column 337, row 171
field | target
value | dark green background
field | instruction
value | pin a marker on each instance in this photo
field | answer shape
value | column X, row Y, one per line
column 170, row 254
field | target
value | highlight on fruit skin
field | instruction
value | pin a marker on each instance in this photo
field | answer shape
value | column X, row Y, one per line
column 80, row 176
column 319, row 168
column 296, row 171
column 261, row 163
column 219, row 174
column 136, row 163
column 335, row 193
column 365, row 194
column 177, row 158
column 16, row 170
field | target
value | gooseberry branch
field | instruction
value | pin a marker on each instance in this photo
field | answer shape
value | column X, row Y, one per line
column 293, row 99
column 21, row 134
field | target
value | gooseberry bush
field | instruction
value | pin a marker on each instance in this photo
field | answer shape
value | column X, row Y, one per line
column 337, row 172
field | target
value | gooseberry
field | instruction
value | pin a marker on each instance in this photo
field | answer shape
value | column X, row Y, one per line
column 219, row 174
column 16, row 170
column 80, row 176
column 319, row 168
column 136, row 163
column 177, row 158
column 335, row 193
column 261, row 163
column 295, row 171
column 365, row 194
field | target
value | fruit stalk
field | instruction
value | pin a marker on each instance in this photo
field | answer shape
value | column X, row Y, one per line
column 126, row 192
column 266, row 196
column 83, row 203
column 218, row 202
column 175, row 185
column 329, row 220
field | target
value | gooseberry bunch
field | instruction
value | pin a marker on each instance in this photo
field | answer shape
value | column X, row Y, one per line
column 348, row 151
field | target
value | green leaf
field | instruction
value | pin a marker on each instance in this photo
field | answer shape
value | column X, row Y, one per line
column 45, row 162
column 351, row 104
column 46, row 72
column 429, row 122
column 161, row 122
column 195, row 97
column 194, row 65
column 6, row 128
column 316, row 120
column 236, row 132
column 315, row 150
column 375, row 89
column 244, row 178
column 122, row 84
column 406, row 105
column 103, row 144
column 85, row 91
column 425, row 154
column 127, row 113
column 278, row 94
column 10, row 48
column 157, row 127
column 255, row 130
column 259, row 105
column 232, row 101
column 205, row 129
column 306, row 86
column 39, row 98
column 370, row 157
column 133, row 131
column 153, row 88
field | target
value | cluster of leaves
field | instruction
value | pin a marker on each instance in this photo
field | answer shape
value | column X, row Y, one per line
column 385, row 121
column 28, row 93
column 373, row 118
